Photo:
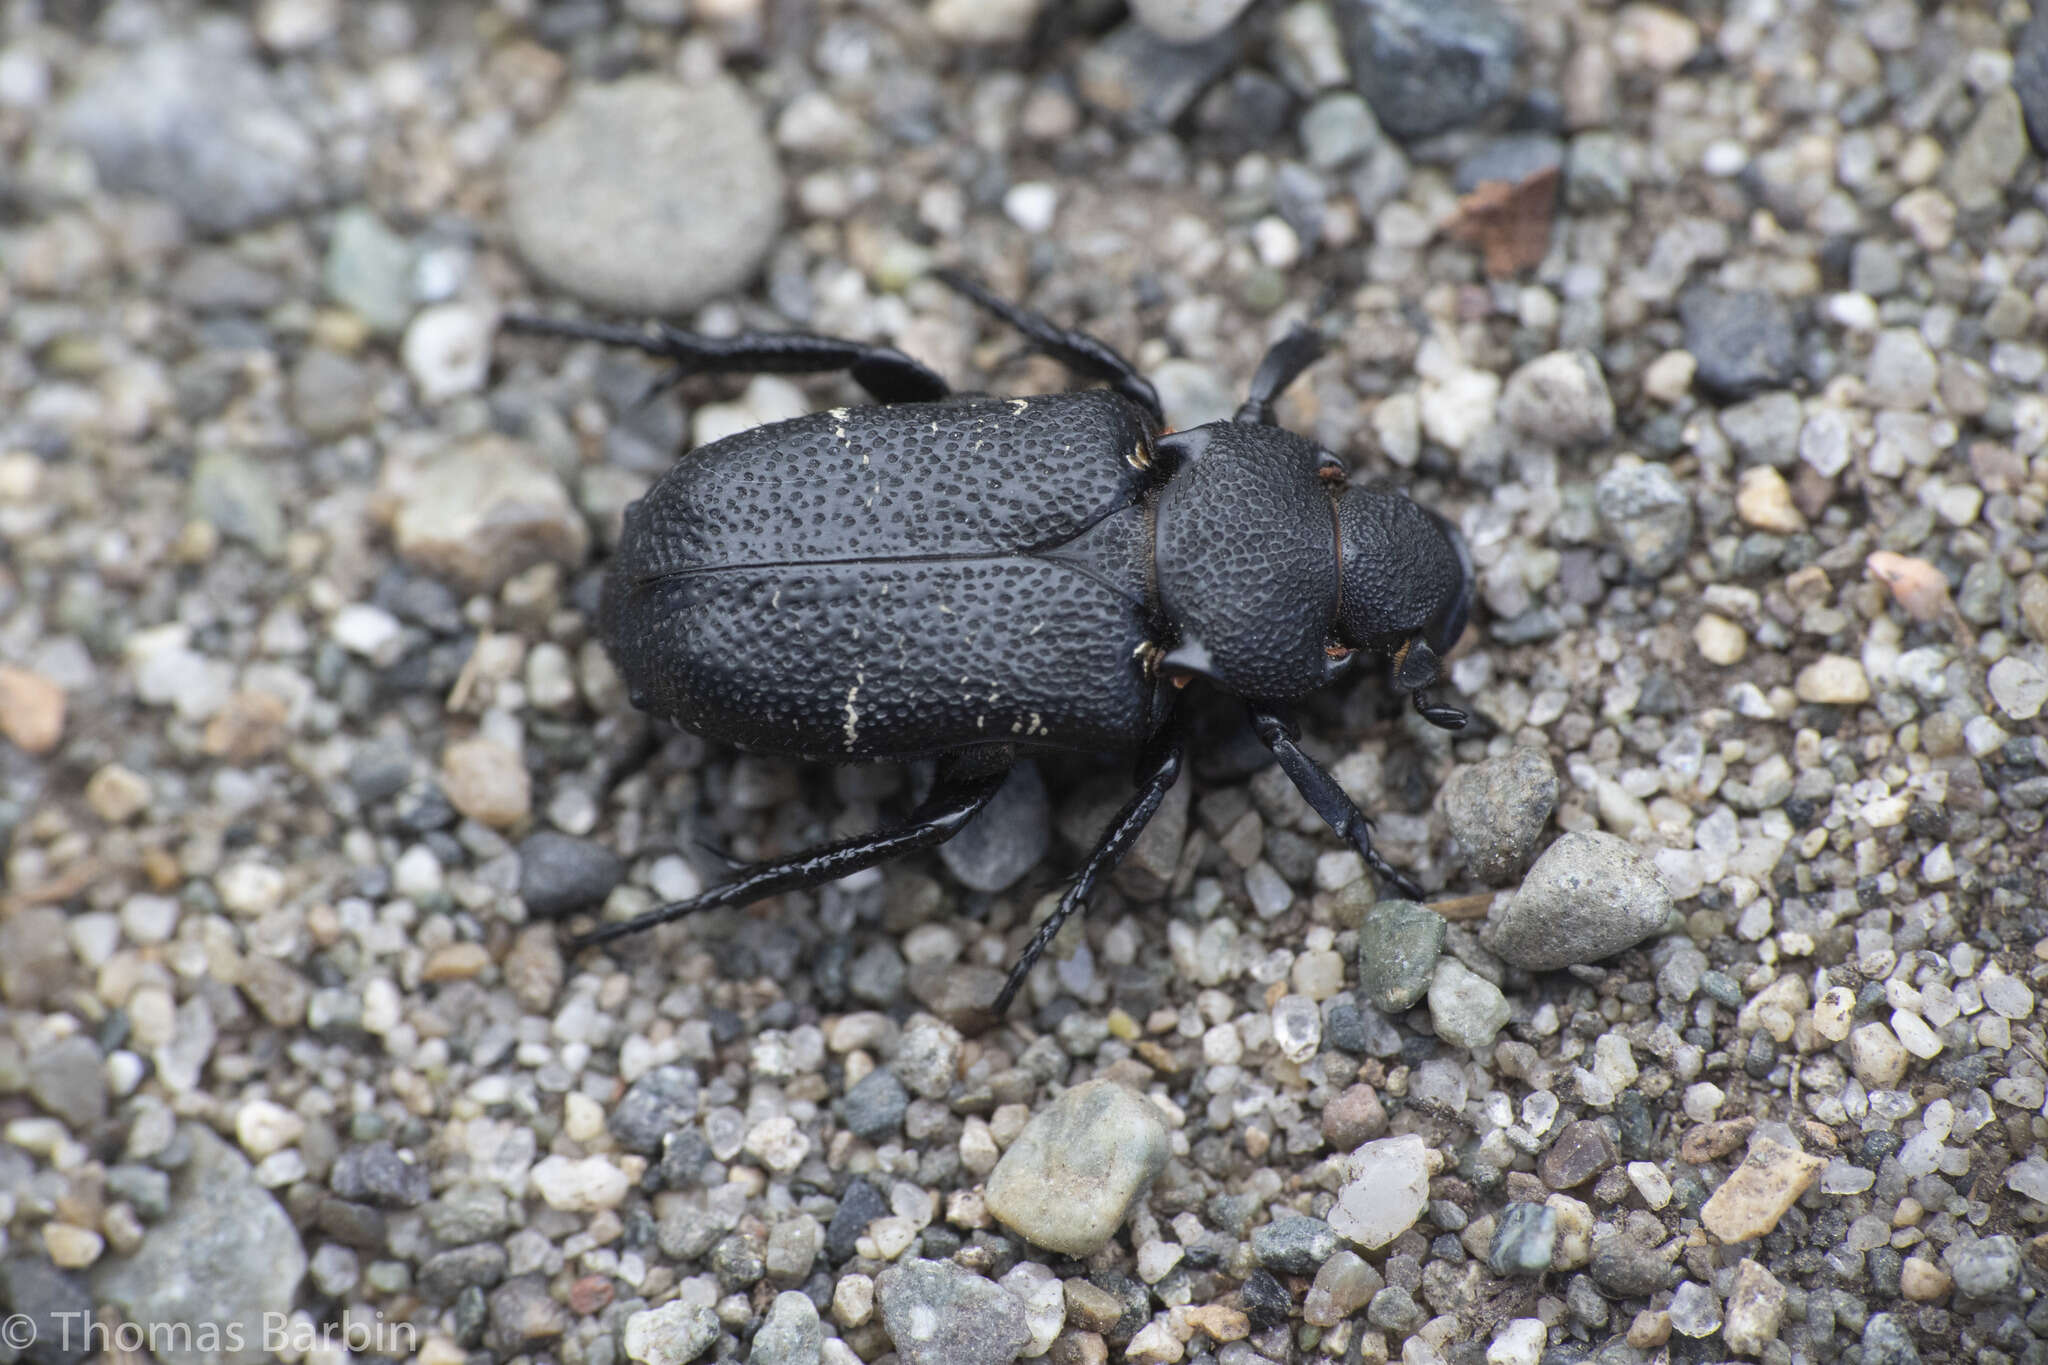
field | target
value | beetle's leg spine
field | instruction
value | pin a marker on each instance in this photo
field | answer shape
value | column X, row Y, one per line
column 1164, row 764
column 950, row 806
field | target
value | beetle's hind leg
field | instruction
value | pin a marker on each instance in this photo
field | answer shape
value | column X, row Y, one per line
column 1158, row 771
column 963, row 788
column 1087, row 356
column 886, row 373
column 1322, row 792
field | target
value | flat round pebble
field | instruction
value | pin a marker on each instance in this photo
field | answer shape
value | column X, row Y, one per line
column 647, row 195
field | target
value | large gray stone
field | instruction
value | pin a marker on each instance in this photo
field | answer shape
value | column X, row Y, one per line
column 1590, row 895
column 939, row 1314
column 224, row 1256
column 647, row 196
column 1429, row 66
column 1072, row 1174
column 197, row 122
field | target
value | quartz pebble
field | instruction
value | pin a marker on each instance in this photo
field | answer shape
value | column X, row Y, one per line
column 1467, row 1009
column 1070, row 1176
column 1387, row 1191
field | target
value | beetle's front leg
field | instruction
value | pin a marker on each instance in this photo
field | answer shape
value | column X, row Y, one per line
column 1159, row 769
column 1322, row 792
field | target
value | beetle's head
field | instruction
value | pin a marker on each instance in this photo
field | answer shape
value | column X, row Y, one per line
column 1405, row 590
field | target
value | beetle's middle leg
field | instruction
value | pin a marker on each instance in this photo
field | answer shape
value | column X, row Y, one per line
column 964, row 787
column 1322, row 792
column 886, row 373
column 1087, row 356
column 1159, row 769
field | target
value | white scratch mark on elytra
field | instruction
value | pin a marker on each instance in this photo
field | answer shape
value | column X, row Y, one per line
column 852, row 711
column 1018, row 406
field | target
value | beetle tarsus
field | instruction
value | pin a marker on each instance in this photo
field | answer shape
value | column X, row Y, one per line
column 1160, row 771
column 1327, row 799
column 1085, row 355
column 950, row 806
column 886, row 373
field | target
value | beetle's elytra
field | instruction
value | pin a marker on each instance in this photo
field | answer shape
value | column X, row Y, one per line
column 974, row 577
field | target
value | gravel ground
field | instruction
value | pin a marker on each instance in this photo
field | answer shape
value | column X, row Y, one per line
column 1719, row 333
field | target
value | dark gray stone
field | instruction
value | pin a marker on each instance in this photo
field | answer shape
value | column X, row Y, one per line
column 2030, row 77
column 1006, row 838
column 375, row 1173
column 50, row 1300
column 873, row 1109
column 560, row 874
column 659, row 1103
column 1294, row 1246
column 1498, row 809
column 1743, row 341
column 1398, row 945
column 1622, row 1265
column 1428, row 66
column 446, row 1274
column 1147, row 83
column 65, row 1078
column 861, row 1205
column 523, row 1314
column 939, row 1314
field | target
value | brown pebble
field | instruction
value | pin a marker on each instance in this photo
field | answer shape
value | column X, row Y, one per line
column 1915, row 584
column 1157, row 1057
column 486, row 782
column 1923, row 1281
column 533, row 969
column 1073, row 1347
column 1752, row 1200
column 456, row 962
column 31, row 709
column 591, row 1294
column 1712, row 1141
column 1354, row 1117
column 1091, row 1308
column 1222, row 1324
column 1650, row 1330
column 117, row 794
column 250, row 727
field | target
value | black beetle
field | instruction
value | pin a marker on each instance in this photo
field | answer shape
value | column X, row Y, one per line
column 967, row 577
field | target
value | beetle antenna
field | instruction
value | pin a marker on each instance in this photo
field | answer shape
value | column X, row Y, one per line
column 1283, row 364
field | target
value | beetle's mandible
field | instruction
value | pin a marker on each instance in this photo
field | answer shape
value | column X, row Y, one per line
column 975, row 577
